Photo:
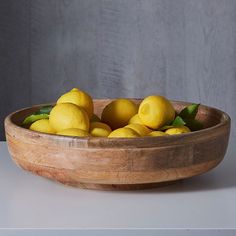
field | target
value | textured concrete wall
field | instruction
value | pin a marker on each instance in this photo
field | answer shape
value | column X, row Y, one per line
column 184, row 49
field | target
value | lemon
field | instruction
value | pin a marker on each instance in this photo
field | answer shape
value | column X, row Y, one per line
column 99, row 129
column 142, row 130
column 123, row 133
column 95, row 118
column 118, row 113
column 74, row 132
column 42, row 126
column 178, row 130
column 67, row 115
column 79, row 98
column 157, row 133
column 135, row 120
column 156, row 111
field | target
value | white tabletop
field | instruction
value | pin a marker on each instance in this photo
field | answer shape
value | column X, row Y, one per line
column 30, row 201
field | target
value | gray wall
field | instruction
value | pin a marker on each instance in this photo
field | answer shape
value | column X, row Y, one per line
column 184, row 49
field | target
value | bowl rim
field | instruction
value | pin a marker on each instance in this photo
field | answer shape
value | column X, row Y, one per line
column 93, row 141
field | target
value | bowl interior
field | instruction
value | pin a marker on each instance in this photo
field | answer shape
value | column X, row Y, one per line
column 207, row 115
column 214, row 121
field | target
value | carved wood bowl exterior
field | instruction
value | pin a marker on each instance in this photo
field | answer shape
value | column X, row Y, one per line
column 119, row 164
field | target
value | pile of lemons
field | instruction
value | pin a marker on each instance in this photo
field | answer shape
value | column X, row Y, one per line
column 73, row 115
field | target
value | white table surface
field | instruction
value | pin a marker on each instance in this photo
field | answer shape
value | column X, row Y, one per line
column 29, row 201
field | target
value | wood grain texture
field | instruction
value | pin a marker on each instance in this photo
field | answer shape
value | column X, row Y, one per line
column 184, row 49
column 126, row 163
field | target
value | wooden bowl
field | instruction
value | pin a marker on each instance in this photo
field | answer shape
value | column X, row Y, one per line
column 135, row 163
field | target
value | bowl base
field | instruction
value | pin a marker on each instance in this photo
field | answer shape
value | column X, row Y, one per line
column 121, row 187
column 53, row 174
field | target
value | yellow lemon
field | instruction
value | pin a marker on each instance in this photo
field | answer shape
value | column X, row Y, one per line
column 123, row 133
column 79, row 98
column 156, row 111
column 157, row 133
column 178, row 130
column 99, row 129
column 118, row 113
column 135, row 120
column 74, row 132
column 142, row 130
column 95, row 118
column 67, row 115
column 42, row 126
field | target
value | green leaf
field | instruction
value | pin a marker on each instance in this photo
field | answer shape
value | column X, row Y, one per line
column 166, row 127
column 194, row 125
column 42, row 113
column 44, row 110
column 178, row 121
column 32, row 118
column 189, row 112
